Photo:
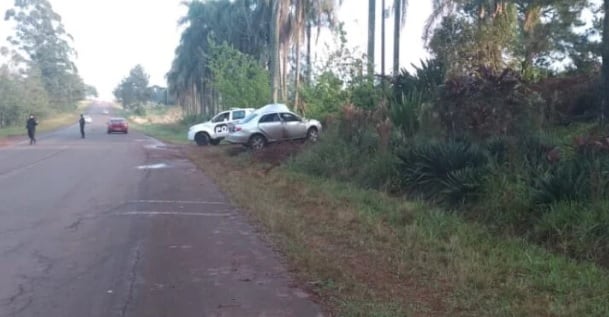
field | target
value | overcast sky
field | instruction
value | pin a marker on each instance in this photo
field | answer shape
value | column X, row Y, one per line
column 112, row 36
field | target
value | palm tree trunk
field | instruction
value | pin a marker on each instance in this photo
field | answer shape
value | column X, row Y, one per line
column 300, row 22
column 309, row 70
column 605, row 69
column 383, row 41
column 371, row 37
column 297, row 73
column 396, row 36
column 274, row 60
column 284, row 71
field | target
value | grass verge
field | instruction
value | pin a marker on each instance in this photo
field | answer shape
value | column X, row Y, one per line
column 174, row 133
column 367, row 254
column 45, row 125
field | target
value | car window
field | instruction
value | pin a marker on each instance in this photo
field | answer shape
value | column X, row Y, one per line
column 221, row 117
column 271, row 117
column 249, row 117
column 289, row 117
column 239, row 114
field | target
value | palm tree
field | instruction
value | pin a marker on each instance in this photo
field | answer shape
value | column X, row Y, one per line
column 383, row 40
column 309, row 13
column 371, row 37
column 400, row 10
column 605, row 69
column 274, row 49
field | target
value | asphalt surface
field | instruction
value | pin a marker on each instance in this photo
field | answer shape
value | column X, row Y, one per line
column 123, row 225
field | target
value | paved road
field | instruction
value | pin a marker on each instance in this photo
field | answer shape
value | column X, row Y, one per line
column 121, row 225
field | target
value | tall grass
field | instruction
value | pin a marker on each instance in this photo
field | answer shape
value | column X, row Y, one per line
column 335, row 158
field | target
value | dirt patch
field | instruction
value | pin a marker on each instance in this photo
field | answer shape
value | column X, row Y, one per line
column 279, row 152
column 6, row 141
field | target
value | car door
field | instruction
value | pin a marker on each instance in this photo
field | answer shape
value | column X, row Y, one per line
column 295, row 127
column 221, row 124
column 271, row 126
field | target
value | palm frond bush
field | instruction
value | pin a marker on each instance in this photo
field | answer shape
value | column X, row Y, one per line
column 448, row 172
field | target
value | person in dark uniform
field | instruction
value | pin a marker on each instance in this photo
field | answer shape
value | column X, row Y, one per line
column 30, row 125
column 82, row 125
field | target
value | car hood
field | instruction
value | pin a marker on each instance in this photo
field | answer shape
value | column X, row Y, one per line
column 200, row 126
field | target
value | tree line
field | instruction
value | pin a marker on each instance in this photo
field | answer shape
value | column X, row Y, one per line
column 39, row 75
column 529, row 36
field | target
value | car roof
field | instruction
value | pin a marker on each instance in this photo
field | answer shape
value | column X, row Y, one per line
column 118, row 118
column 274, row 107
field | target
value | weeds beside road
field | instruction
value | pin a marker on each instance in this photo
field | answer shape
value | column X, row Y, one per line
column 367, row 254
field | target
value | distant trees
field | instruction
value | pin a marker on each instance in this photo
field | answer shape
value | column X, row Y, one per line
column 274, row 34
column 41, row 41
column 21, row 94
column 39, row 75
column 527, row 35
column 133, row 91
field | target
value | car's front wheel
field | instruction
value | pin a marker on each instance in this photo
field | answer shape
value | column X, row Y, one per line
column 313, row 135
column 202, row 138
column 257, row 142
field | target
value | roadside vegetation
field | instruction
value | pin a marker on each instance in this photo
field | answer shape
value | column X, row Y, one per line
column 37, row 73
column 472, row 183
column 367, row 253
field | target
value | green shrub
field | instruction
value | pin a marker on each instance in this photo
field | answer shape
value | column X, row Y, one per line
column 336, row 158
column 580, row 230
column 446, row 172
column 139, row 110
column 404, row 113
column 505, row 202
column 325, row 97
column 583, row 178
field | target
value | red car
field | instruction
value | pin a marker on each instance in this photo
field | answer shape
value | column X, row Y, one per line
column 118, row 125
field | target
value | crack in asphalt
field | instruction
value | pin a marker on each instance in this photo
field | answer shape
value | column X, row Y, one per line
column 13, row 300
column 132, row 279
column 74, row 225
column 44, row 260
column 80, row 219
column 13, row 248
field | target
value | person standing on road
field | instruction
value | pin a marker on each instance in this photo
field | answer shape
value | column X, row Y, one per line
column 82, row 125
column 30, row 125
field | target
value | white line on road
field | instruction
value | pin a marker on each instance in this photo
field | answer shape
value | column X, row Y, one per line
column 152, row 166
column 172, row 213
column 184, row 202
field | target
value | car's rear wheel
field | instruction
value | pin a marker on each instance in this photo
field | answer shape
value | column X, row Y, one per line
column 202, row 138
column 313, row 135
column 257, row 142
column 214, row 141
